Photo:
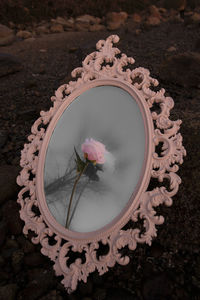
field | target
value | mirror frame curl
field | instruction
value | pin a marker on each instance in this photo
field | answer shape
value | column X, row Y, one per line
column 106, row 66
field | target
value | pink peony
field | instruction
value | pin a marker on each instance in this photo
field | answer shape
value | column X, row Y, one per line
column 94, row 151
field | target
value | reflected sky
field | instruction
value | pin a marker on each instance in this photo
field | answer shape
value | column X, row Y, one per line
column 110, row 115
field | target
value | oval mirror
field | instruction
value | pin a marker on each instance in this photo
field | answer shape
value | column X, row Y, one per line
column 87, row 167
column 110, row 115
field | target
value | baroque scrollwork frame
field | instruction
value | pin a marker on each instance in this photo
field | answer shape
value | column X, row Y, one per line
column 107, row 63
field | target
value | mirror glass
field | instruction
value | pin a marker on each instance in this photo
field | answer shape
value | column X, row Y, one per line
column 109, row 115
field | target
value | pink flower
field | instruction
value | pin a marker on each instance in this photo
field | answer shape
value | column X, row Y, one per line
column 94, row 151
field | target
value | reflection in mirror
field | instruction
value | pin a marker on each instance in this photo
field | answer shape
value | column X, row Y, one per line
column 94, row 197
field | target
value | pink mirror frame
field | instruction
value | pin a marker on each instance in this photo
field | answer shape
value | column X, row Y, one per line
column 102, row 67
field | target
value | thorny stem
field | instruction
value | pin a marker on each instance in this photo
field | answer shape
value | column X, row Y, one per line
column 72, row 194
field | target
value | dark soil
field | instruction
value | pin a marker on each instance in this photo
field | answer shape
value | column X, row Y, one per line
column 170, row 268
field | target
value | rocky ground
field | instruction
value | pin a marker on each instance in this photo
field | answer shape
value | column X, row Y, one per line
column 30, row 71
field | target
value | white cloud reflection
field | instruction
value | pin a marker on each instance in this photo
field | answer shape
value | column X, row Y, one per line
column 111, row 116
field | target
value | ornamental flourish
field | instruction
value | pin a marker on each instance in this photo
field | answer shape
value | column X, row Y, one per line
column 105, row 63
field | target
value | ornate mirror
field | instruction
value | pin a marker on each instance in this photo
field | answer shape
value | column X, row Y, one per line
column 87, row 166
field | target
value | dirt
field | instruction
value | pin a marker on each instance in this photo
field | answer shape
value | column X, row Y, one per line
column 170, row 268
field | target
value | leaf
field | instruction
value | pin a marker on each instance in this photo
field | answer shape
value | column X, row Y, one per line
column 78, row 159
column 79, row 163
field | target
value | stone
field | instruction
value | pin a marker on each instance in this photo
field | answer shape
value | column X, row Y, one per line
column 195, row 18
column 176, row 19
column 34, row 273
column 171, row 49
column 197, row 267
column 56, row 28
column 17, row 259
column 24, row 34
column 96, row 279
column 196, row 282
column 100, row 294
column 113, row 25
column 175, row 4
column 97, row 27
column 187, row 64
column 84, row 22
column 3, row 230
column 188, row 13
column 53, row 295
column 73, row 49
column 156, row 250
column 38, row 287
column 82, row 26
column 25, row 244
column 153, row 21
column 88, row 19
column 116, row 17
column 28, row 114
column 197, row 45
column 34, row 259
column 67, row 24
column 11, row 217
column 3, row 135
column 188, row 19
column 181, row 293
column 72, row 297
column 157, row 287
column 115, row 20
column 11, row 25
column 30, row 40
column 118, row 294
column 60, row 20
column 162, row 10
column 20, row 26
column 138, row 31
column 11, row 244
column 42, row 29
column 154, row 11
column 33, row 291
column 9, row 187
column 136, row 18
column 2, row 261
column 86, row 288
column 4, row 277
column 41, row 70
column 8, row 292
column 43, row 50
column 6, row 35
column 9, row 64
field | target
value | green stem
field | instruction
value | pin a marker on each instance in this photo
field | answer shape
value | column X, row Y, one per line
column 72, row 194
